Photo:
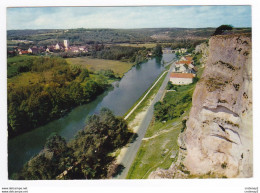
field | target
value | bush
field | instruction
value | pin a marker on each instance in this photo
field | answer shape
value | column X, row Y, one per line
column 222, row 28
column 171, row 86
column 183, row 125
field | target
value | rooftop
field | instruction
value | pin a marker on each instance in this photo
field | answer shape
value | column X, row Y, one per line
column 181, row 75
column 183, row 62
column 188, row 58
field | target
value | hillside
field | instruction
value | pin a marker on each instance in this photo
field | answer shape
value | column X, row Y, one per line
column 89, row 36
column 217, row 141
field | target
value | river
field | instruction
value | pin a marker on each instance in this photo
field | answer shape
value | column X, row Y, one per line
column 119, row 99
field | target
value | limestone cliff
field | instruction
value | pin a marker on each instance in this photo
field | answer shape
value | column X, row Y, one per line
column 218, row 141
column 218, row 137
column 204, row 50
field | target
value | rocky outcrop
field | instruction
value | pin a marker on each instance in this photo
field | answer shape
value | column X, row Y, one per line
column 204, row 50
column 218, row 139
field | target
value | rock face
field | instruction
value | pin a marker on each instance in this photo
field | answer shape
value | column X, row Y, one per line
column 218, row 137
column 204, row 49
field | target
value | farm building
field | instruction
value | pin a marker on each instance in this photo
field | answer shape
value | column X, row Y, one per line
column 181, row 78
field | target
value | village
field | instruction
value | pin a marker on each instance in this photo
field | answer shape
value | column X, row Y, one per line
column 184, row 71
column 56, row 48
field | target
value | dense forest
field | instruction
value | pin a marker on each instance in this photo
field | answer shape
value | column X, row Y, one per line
column 127, row 53
column 41, row 89
column 87, row 156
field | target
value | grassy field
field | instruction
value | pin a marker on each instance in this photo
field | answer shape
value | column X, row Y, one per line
column 13, row 64
column 118, row 67
column 25, row 79
column 156, row 150
column 160, row 141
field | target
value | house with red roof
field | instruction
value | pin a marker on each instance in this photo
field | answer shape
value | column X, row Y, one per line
column 23, row 52
column 184, row 62
column 181, row 78
column 188, row 58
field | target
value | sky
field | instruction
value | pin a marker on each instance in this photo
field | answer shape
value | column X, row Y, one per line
column 127, row 17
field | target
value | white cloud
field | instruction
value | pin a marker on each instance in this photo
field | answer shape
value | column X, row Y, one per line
column 127, row 17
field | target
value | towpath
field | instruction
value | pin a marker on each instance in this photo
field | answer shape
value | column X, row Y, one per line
column 131, row 150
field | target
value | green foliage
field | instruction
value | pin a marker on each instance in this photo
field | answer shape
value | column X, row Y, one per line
column 221, row 29
column 102, row 135
column 112, row 36
column 56, row 144
column 224, row 165
column 109, row 73
column 190, row 50
column 174, row 103
column 60, row 88
column 86, row 156
column 83, row 75
column 197, row 58
column 55, row 158
column 158, row 50
column 183, row 125
column 171, row 86
column 123, row 53
column 190, row 44
column 18, row 64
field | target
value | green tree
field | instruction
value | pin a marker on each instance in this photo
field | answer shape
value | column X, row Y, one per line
column 83, row 75
column 56, row 144
column 158, row 50
column 221, row 29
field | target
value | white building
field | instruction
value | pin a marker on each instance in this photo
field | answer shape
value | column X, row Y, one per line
column 30, row 50
column 57, row 46
column 66, row 45
column 181, row 78
column 182, row 68
column 74, row 49
column 183, row 59
column 182, row 50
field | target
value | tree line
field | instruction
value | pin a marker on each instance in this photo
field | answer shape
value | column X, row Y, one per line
column 87, row 156
column 59, row 87
column 123, row 53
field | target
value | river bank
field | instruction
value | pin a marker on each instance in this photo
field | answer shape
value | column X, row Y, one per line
column 119, row 99
column 141, row 124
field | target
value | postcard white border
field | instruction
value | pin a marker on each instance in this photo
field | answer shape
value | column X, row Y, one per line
column 194, row 185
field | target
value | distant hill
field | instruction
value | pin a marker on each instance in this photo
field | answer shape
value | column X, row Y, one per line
column 90, row 36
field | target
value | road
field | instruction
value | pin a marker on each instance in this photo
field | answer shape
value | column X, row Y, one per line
column 132, row 148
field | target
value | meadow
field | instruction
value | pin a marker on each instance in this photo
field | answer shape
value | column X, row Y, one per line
column 118, row 67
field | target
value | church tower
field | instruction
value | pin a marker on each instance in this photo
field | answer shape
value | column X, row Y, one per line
column 66, row 45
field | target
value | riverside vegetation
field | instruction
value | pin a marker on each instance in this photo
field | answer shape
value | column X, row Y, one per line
column 87, row 156
column 41, row 89
column 44, row 88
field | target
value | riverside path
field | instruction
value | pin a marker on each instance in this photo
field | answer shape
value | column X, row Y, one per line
column 132, row 148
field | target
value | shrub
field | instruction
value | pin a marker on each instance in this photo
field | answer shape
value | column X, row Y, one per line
column 224, row 165
column 222, row 28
